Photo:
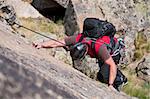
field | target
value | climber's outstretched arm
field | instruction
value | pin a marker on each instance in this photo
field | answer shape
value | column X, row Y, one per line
column 50, row 44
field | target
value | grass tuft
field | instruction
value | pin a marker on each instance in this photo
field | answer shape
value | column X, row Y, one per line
column 40, row 25
column 142, row 46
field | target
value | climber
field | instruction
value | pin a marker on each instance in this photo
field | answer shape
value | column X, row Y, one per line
column 99, row 43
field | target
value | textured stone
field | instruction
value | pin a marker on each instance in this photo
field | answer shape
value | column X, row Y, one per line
column 18, row 83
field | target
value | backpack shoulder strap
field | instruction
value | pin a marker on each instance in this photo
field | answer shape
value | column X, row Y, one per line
column 112, row 42
column 93, row 47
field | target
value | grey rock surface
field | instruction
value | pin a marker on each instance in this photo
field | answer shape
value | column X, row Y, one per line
column 20, row 83
column 26, row 72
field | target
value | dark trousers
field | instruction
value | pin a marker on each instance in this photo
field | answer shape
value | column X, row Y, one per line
column 103, row 75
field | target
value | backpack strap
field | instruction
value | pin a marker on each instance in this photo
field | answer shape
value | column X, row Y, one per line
column 112, row 42
column 93, row 47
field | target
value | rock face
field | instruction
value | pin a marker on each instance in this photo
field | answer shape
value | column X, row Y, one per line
column 143, row 68
column 26, row 72
column 20, row 83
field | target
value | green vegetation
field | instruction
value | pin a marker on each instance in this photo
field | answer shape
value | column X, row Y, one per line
column 136, row 87
column 39, row 24
column 142, row 46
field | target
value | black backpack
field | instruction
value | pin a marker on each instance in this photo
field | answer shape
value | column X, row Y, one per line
column 95, row 28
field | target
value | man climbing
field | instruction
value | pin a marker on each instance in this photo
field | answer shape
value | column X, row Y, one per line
column 99, row 43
